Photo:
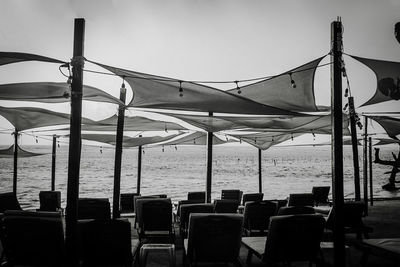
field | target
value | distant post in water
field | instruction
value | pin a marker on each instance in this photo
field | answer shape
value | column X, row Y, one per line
column 259, row 171
column 139, row 169
column 354, row 143
column 53, row 163
column 15, row 174
column 75, row 143
column 209, row 163
column 118, row 153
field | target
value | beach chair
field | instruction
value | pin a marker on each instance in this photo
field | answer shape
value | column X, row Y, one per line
column 290, row 238
column 321, row 194
column 94, row 208
column 226, row 206
column 106, row 243
column 50, row 201
column 198, row 197
column 213, row 238
column 252, row 197
column 8, row 201
column 232, row 195
column 127, row 206
column 187, row 209
column 256, row 217
column 303, row 199
column 293, row 210
column 177, row 212
column 33, row 238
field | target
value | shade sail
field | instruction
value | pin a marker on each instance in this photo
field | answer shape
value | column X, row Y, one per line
column 163, row 93
column 132, row 124
column 23, row 118
column 388, row 79
column 14, row 57
column 127, row 141
column 386, row 141
column 196, row 138
column 346, row 142
column 51, row 92
column 391, row 125
column 9, row 153
column 265, row 140
column 279, row 92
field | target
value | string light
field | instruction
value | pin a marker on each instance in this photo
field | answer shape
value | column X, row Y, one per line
column 162, row 149
column 36, row 140
column 180, row 89
column 176, row 148
column 101, row 150
column 346, row 92
column 69, row 80
column 238, row 88
column 58, row 144
column 313, row 134
column 165, row 127
column 273, row 139
column 240, row 140
column 346, row 106
column 292, row 82
column 291, row 135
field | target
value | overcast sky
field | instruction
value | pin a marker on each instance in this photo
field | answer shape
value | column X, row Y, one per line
column 197, row 40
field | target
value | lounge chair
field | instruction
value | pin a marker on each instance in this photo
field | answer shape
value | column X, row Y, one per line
column 106, row 243
column 290, row 238
column 126, row 203
column 256, row 217
column 8, row 201
column 50, row 200
column 304, row 199
column 293, row 210
column 187, row 209
column 177, row 212
column 213, row 238
column 252, row 197
column 232, row 195
column 198, row 197
column 321, row 194
column 226, row 206
column 94, row 208
column 33, row 238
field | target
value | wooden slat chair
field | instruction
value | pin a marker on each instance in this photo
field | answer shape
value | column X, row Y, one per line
column 94, row 208
column 187, row 209
column 8, row 201
column 213, row 238
column 293, row 210
column 302, row 199
column 226, row 206
column 291, row 238
column 321, row 194
column 252, row 197
column 33, row 238
column 50, row 201
column 256, row 217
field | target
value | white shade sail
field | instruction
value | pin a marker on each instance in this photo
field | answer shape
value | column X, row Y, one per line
column 196, row 138
column 127, row 141
column 9, row 153
column 391, row 125
column 14, row 57
column 265, row 140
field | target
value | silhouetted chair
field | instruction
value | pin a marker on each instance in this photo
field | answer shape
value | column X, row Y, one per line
column 180, row 203
column 293, row 210
column 198, row 197
column 290, row 238
column 304, row 199
column 50, row 200
column 187, row 209
column 232, row 195
column 252, row 197
column 106, row 243
column 321, row 194
column 226, row 206
column 256, row 217
column 8, row 201
column 213, row 238
column 352, row 215
column 33, row 238
column 94, row 208
column 126, row 203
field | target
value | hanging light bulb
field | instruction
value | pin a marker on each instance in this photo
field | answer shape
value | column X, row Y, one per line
column 194, row 141
column 346, row 106
column 313, row 134
column 165, row 127
column 69, row 80
column 292, row 82
column 101, row 150
column 272, row 139
column 143, row 152
column 58, row 144
column 162, row 149
column 291, row 136
column 238, row 88
column 176, row 148
column 180, row 89
column 344, row 71
column 359, row 124
column 346, row 92
column 36, row 140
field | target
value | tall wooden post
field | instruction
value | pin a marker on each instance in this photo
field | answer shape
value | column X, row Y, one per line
column 259, row 171
column 139, row 169
column 209, row 163
column 354, row 143
column 337, row 144
column 75, row 143
column 118, row 153
column 365, row 163
column 53, row 163
column 15, row 174
column 371, row 190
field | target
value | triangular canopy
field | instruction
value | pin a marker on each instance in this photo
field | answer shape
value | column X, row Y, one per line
column 50, row 92
column 388, row 79
column 391, row 125
column 14, row 57
column 281, row 93
column 164, row 93
column 386, row 141
column 127, row 141
column 23, row 118
column 196, row 138
column 265, row 140
column 9, row 153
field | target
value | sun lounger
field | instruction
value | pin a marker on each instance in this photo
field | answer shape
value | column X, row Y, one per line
column 321, row 194
column 127, row 206
column 187, row 209
column 304, row 199
column 226, row 206
column 293, row 210
column 50, row 200
column 198, row 197
column 252, row 197
column 94, row 208
column 232, row 195
column 256, row 217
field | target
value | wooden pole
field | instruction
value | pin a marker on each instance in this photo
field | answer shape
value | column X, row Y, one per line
column 15, row 174
column 118, row 153
column 371, row 191
column 139, row 170
column 53, row 163
column 75, row 143
column 209, row 163
column 365, row 164
column 337, row 144
column 259, row 171
column 354, row 143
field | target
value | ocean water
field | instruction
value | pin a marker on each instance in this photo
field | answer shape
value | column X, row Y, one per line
column 175, row 171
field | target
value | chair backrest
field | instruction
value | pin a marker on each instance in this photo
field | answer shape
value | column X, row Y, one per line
column 139, row 208
column 94, row 208
column 352, row 214
column 199, row 196
column 294, row 238
column 321, row 194
column 8, row 201
column 214, row 237
column 105, row 242
column 157, row 215
column 187, row 209
column 293, row 210
column 50, row 200
column 257, row 215
column 33, row 238
column 136, row 198
column 303, row 199
column 226, row 206
column 184, row 202
column 126, row 202
column 232, row 194
column 252, row 197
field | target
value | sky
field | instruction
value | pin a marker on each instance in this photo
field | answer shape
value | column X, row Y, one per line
column 213, row 40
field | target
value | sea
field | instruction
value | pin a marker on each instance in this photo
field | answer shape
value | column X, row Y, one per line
column 177, row 170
